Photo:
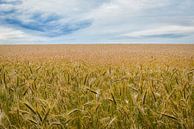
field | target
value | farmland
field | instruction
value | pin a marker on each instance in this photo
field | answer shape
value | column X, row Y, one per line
column 97, row 86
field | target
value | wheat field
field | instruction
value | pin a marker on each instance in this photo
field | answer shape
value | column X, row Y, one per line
column 97, row 87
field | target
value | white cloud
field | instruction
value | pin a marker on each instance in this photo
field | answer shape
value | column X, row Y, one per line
column 168, row 29
column 10, row 33
column 16, row 36
column 120, row 8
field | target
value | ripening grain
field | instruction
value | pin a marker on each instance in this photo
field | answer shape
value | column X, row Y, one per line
column 97, row 87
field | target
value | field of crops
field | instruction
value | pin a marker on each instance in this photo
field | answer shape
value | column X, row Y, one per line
column 97, row 87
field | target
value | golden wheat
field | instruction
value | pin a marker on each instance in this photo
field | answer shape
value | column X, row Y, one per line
column 155, row 92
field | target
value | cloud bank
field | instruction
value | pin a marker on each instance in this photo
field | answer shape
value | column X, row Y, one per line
column 97, row 21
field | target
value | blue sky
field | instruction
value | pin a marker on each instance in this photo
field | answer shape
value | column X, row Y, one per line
column 96, row 21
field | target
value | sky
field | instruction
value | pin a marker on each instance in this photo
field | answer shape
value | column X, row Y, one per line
column 96, row 21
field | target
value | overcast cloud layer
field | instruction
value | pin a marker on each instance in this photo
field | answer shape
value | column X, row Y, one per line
column 96, row 21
